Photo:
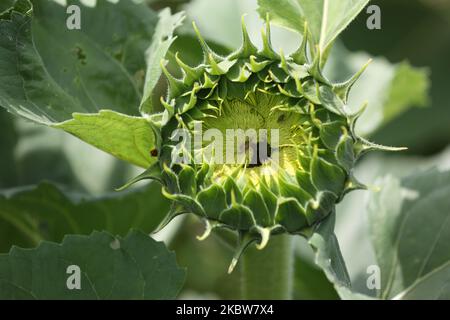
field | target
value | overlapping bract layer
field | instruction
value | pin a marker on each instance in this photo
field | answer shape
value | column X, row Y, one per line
column 299, row 194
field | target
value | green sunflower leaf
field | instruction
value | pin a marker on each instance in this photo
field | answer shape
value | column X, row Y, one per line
column 410, row 231
column 49, row 72
column 95, row 267
column 126, row 137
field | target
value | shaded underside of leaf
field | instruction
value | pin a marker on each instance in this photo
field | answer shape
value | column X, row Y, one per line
column 134, row 267
column 47, row 213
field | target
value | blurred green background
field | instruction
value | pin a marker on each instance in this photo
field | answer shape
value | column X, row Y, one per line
column 413, row 30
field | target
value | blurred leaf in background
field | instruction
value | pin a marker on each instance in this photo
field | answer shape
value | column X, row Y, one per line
column 353, row 224
column 410, row 230
column 45, row 212
column 310, row 281
column 389, row 89
column 206, row 263
column 418, row 31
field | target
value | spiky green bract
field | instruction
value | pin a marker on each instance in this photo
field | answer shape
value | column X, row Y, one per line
column 259, row 89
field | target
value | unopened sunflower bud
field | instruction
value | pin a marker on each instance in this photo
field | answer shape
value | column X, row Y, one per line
column 309, row 142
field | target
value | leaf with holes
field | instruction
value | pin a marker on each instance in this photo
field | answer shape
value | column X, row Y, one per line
column 65, row 71
column 133, row 267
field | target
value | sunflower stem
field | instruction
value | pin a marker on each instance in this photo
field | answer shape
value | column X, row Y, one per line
column 268, row 273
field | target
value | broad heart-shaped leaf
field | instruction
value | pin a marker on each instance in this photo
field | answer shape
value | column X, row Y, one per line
column 48, row 72
column 326, row 19
column 162, row 40
column 329, row 258
column 125, row 137
column 410, row 230
column 134, row 267
column 47, row 213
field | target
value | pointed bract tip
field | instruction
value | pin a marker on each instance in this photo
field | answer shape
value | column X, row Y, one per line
column 206, row 49
column 244, row 28
column 197, row 31
column 370, row 146
column 301, row 55
column 265, row 236
column 353, row 184
column 122, row 188
column 364, row 67
column 284, row 64
column 176, row 86
column 208, row 228
column 233, row 264
column 150, row 174
column 374, row 188
column 191, row 74
column 356, row 115
column 268, row 50
column 343, row 89
column 248, row 48
column 162, row 63
column 362, row 109
column 315, row 68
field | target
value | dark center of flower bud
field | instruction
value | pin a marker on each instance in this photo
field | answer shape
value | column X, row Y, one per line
column 259, row 153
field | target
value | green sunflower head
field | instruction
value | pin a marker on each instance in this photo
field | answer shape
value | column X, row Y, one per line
column 256, row 142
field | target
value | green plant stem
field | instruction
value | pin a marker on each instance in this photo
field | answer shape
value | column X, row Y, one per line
column 268, row 273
